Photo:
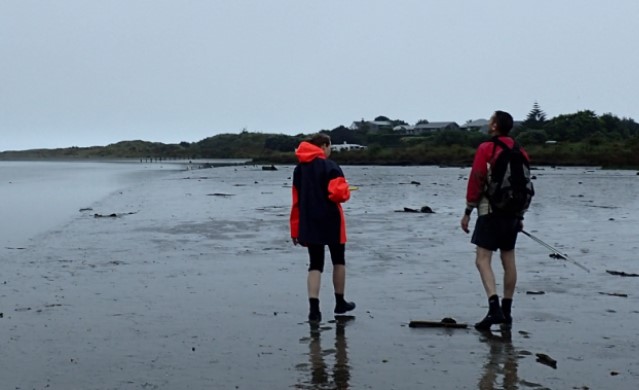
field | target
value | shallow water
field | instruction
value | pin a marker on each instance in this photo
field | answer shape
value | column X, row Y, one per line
column 39, row 196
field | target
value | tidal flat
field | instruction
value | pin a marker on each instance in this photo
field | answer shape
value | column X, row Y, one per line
column 195, row 284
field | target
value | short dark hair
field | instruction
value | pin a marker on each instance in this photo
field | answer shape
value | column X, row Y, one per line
column 319, row 139
column 504, row 122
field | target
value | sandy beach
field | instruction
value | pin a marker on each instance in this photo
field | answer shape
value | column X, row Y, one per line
column 194, row 284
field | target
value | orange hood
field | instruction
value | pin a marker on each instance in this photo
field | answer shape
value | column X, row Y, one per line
column 308, row 152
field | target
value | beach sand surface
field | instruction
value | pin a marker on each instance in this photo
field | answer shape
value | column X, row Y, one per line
column 194, row 284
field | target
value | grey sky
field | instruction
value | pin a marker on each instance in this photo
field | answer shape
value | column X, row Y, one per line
column 84, row 72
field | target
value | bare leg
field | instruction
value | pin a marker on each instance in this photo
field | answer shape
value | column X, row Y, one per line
column 339, row 278
column 510, row 273
column 313, row 283
column 485, row 271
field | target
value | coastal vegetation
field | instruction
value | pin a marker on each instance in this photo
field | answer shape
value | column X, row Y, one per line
column 581, row 138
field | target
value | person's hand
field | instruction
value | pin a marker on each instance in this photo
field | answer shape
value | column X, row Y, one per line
column 295, row 241
column 464, row 223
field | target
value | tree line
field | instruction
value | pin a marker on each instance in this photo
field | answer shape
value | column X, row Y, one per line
column 581, row 138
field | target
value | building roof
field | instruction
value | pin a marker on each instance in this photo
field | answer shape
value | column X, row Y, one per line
column 435, row 125
column 477, row 123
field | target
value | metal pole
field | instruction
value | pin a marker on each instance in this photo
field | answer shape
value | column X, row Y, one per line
column 563, row 255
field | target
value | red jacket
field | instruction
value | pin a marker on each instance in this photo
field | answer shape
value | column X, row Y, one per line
column 319, row 187
column 485, row 157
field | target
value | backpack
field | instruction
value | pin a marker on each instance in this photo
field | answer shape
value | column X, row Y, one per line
column 509, row 189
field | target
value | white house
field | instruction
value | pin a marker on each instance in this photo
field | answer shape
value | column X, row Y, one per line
column 346, row 146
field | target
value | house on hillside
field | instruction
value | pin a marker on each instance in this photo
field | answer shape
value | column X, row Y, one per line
column 371, row 126
column 480, row 125
column 425, row 128
column 404, row 129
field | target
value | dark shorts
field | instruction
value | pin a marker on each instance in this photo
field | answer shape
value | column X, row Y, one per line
column 316, row 255
column 494, row 232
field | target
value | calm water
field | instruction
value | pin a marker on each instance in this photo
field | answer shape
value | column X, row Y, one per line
column 38, row 196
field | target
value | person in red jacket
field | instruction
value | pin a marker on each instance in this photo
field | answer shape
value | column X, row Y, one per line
column 317, row 219
column 493, row 231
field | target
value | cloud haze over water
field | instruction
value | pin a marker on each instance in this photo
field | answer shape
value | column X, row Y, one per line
column 88, row 72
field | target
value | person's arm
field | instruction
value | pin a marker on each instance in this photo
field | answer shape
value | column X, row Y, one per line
column 478, row 175
column 338, row 190
column 476, row 182
column 521, row 214
column 295, row 211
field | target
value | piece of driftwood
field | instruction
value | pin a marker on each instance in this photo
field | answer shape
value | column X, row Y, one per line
column 621, row 273
column 113, row 215
column 622, row 295
column 424, row 209
column 535, row 292
column 444, row 323
column 547, row 360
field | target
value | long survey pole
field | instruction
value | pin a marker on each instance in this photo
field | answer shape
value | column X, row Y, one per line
column 563, row 255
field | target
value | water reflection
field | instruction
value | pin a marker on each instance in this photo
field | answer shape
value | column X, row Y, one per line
column 500, row 370
column 323, row 377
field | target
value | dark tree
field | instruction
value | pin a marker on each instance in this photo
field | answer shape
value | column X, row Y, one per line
column 536, row 118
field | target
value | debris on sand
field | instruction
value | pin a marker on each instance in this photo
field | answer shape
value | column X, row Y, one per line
column 269, row 168
column 220, row 194
column 112, row 215
column 547, row 360
column 535, row 292
column 424, row 209
column 556, row 256
column 444, row 323
column 622, row 273
column 614, row 294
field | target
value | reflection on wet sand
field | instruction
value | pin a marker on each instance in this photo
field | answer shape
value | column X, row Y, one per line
column 320, row 379
column 500, row 370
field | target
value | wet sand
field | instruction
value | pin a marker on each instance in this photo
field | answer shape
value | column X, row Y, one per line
column 200, row 288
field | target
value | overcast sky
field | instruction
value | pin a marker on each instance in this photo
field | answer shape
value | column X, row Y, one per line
column 85, row 72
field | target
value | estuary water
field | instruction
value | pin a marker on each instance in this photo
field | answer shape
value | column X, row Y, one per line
column 37, row 196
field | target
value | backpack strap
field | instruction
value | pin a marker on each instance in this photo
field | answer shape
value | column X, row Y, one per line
column 501, row 143
column 496, row 141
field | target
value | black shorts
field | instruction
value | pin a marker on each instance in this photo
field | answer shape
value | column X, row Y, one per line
column 316, row 255
column 493, row 231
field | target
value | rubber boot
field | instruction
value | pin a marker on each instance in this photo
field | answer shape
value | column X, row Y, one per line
column 314, row 314
column 494, row 316
column 341, row 306
column 506, row 305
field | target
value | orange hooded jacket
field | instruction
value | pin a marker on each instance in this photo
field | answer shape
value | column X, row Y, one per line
column 319, row 188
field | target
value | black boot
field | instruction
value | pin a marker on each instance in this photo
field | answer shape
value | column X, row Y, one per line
column 314, row 314
column 341, row 306
column 506, row 305
column 494, row 316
